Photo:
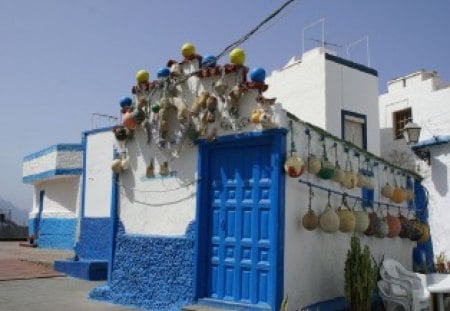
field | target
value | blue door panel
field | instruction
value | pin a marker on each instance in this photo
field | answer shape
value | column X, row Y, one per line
column 240, row 208
column 240, row 215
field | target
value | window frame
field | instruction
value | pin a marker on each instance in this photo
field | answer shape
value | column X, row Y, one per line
column 353, row 114
column 396, row 131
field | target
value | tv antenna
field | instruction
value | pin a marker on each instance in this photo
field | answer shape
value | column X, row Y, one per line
column 321, row 22
column 96, row 117
column 326, row 43
column 359, row 41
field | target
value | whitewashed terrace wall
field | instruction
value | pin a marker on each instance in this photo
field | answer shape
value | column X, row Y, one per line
column 99, row 154
column 314, row 261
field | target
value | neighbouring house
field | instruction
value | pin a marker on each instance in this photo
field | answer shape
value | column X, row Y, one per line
column 215, row 188
column 424, row 98
column 54, row 173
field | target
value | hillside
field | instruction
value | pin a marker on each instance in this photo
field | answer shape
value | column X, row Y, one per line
column 18, row 215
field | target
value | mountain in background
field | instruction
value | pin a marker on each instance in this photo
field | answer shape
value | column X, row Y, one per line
column 18, row 215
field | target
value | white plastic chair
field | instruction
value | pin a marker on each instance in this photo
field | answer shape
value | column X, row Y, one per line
column 391, row 301
column 406, row 283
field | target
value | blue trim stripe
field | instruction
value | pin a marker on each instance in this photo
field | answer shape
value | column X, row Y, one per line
column 351, row 64
column 54, row 148
column 29, row 179
column 434, row 141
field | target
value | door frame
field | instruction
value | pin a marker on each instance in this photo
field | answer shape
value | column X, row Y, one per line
column 276, row 138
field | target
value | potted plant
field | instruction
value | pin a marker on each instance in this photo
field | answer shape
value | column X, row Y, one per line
column 361, row 274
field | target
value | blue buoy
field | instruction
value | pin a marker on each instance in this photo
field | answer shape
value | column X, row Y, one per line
column 209, row 61
column 163, row 72
column 258, row 74
column 126, row 102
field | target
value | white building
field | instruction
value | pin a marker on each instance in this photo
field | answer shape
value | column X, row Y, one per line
column 215, row 220
column 333, row 93
column 54, row 173
column 425, row 98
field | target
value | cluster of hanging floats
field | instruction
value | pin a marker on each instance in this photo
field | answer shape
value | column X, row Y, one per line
column 379, row 219
column 158, row 107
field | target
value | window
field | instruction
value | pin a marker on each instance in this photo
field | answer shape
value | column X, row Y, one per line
column 399, row 119
column 354, row 128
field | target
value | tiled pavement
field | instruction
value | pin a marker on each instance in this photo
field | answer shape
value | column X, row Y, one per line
column 28, row 282
column 19, row 263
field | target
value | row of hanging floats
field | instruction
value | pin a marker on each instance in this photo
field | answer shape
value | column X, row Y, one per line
column 394, row 186
column 357, row 219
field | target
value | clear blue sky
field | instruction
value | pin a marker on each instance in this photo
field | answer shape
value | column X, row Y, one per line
column 62, row 60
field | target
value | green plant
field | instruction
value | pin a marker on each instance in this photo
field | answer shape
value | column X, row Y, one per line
column 361, row 274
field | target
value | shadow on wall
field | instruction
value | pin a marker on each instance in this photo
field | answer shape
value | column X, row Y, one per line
column 439, row 176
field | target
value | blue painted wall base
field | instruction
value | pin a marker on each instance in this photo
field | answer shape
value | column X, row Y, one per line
column 153, row 272
column 91, row 250
column 91, row 270
column 58, row 233
column 94, row 241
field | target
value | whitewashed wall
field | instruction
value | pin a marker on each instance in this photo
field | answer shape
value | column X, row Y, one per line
column 356, row 91
column 61, row 197
column 301, row 87
column 316, row 90
column 99, row 154
column 166, row 206
column 52, row 161
column 314, row 261
column 428, row 96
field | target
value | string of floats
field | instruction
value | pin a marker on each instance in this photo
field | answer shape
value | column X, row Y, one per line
column 345, row 194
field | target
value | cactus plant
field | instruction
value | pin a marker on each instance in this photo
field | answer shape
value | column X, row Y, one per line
column 361, row 273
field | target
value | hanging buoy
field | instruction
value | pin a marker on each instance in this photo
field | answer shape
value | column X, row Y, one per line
column 209, row 61
column 310, row 220
column 126, row 102
column 362, row 221
column 394, row 225
column 372, row 228
column 237, row 56
column 314, row 164
column 382, row 228
column 142, row 76
column 329, row 220
column 163, row 72
column 258, row 74
column 294, row 166
column 128, row 121
column 187, row 50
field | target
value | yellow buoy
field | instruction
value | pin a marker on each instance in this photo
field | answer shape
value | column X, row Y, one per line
column 237, row 56
column 142, row 76
column 187, row 50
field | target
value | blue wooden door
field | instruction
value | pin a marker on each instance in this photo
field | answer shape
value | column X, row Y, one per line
column 242, row 190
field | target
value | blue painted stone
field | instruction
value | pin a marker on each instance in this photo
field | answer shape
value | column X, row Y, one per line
column 209, row 61
column 163, row 72
column 151, row 272
column 258, row 74
column 126, row 102
column 94, row 241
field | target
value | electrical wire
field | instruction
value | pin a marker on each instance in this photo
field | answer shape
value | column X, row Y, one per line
column 241, row 39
